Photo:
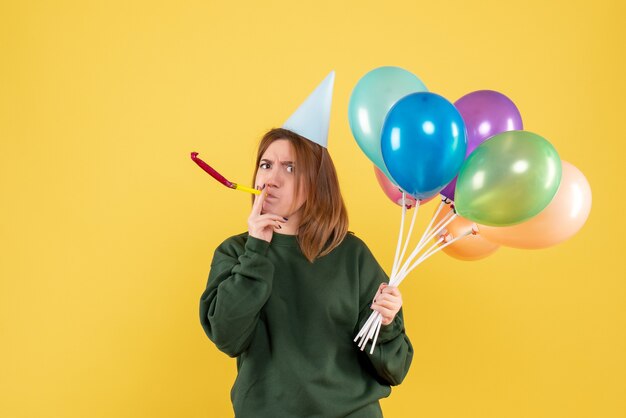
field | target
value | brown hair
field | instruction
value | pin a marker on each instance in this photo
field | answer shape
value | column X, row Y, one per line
column 324, row 222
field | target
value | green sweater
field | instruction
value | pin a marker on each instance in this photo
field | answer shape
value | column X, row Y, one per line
column 291, row 325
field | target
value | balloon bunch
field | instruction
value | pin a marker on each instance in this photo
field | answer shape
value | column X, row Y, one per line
column 500, row 184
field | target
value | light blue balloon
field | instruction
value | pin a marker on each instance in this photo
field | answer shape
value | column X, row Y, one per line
column 423, row 143
column 372, row 97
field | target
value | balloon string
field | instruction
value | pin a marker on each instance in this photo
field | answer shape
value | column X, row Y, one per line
column 406, row 269
column 380, row 322
column 374, row 322
column 367, row 331
column 442, row 224
column 435, row 231
column 406, row 242
column 426, row 231
column 365, row 326
column 365, row 334
column 432, row 252
column 371, row 331
column 400, row 234
column 408, row 237
column 371, row 328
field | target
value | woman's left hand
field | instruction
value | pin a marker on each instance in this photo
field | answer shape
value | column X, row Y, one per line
column 387, row 301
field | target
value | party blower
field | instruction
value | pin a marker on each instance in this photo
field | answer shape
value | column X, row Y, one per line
column 217, row 176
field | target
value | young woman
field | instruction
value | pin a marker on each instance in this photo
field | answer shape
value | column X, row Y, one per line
column 288, row 296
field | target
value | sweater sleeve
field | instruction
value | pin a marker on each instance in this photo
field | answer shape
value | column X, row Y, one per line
column 393, row 353
column 239, row 284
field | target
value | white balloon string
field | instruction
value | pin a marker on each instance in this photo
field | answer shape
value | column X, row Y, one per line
column 429, row 252
column 407, row 268
column 376, row 336
column 423, row 241
column 365, row 330
column 370, row 334
column 408, row 237
column 365, row 326
column 396, row 258
column 371, row 329
column 440, row 227
column 437, row 228
column 427, row 230
column 432, row 251
column 447, row 219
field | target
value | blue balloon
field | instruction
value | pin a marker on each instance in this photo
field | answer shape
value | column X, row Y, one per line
column 423, row 143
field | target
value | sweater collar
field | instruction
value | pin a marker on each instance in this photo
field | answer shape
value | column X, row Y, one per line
column 284, row 240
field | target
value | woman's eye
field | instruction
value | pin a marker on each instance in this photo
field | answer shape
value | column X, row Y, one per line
column 290, row 169
column 264, row 165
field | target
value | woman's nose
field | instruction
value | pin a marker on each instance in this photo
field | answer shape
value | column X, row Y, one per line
column 272, row 178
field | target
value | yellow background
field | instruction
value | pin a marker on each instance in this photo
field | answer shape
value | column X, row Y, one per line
column 107, row 228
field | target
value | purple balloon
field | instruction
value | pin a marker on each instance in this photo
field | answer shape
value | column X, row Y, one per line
column 485, row 113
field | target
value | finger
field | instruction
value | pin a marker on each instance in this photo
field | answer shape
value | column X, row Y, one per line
column 258, row 201
column 389, row 291
column 272, row 216
column 386, row 296
column 386, row 313
column 392, row 290
column 378, row 292
column 266, row 223
column 376, row 296
column 389, row 304
column 390, row 297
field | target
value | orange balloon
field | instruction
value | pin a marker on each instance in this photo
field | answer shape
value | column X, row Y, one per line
column 472, row 247
column 560, row 220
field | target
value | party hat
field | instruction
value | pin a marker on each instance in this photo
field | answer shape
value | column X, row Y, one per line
column 312, row 119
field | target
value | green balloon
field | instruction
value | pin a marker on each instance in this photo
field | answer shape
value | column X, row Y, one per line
column 508, row 179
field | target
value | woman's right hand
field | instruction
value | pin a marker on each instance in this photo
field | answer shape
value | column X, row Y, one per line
column 262, row 226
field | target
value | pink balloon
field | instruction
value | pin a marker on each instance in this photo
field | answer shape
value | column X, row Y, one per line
column 393, row 192
column 560, row 220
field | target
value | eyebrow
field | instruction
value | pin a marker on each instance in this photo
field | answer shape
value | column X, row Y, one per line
column 283, row 163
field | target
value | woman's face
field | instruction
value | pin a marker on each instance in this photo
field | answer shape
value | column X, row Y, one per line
column 277, row 171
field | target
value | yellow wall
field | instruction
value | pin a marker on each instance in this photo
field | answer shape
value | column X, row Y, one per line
column 107, row 228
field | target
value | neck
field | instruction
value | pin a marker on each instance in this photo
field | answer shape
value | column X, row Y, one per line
column 291, row 226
